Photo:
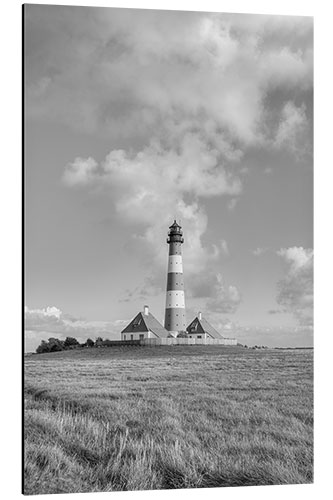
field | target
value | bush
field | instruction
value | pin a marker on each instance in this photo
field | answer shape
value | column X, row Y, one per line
column 182, row 335
column 54, row 345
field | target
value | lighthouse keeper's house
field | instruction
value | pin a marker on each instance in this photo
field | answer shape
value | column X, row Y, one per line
column 199, row 328
column 144, row 326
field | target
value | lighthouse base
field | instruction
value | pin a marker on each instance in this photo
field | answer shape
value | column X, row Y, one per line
column 173, row 333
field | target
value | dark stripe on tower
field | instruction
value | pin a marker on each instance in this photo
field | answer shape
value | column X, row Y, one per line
column 175, row 318
column 175, row 281
column 175, row 248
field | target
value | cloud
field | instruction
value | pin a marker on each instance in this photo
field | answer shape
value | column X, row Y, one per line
column 219, row 296
column 152, row 186
column 187, row 90
column 257, row 252
column 142, row 73
column 46, row 312
column 292, row 125
column 232, row 204
column 224, row 247
column 151, row 287
column 39, row 319
column 276, row 311
column 80, row 172
column 223, row 325
column 295, row 290
column 281, row 336
column 226, row 300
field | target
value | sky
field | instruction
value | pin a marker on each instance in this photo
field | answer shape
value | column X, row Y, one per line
column 136, row 117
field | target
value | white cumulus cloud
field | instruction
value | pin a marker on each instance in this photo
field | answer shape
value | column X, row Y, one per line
column 292, row 125
column 219, row 296
column 295, row 290
column 152, row 186
column 259, row 251
column 80, row 172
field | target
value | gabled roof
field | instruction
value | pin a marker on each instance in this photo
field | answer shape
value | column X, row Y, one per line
column 155, row 326
column 210, row 329
column 136, row 325
column 144, row 323
column 202, row 326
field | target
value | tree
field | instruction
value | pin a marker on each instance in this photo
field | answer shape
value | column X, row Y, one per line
column 90, row 343
column 56, row 344
column 70, row 343
column 52, row 345
column 43, row 347
column 99, row 342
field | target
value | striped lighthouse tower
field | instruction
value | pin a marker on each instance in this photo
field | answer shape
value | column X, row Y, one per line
column 175, row 318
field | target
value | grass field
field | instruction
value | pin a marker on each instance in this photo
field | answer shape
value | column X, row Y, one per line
column 168, row 417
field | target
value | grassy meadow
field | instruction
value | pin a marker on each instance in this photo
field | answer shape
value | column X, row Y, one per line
column 135, row 418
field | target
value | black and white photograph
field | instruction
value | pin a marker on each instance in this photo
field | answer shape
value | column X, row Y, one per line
column 168, row 249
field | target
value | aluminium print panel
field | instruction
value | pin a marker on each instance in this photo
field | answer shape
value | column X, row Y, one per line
column 168, row 180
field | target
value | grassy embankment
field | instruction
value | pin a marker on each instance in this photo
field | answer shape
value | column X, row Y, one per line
column 179, row 417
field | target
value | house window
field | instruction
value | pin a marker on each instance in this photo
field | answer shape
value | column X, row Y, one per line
column 141, row 336
column 131, row 337
column 124, row 337
column 199, row 336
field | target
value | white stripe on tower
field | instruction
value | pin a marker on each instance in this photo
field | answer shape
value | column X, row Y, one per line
column 175, row 264
column 175, row 298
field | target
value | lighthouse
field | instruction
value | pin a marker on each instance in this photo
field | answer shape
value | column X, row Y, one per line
column 175, row 316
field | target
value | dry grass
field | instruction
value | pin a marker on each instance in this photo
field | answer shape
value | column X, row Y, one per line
column 180, row 417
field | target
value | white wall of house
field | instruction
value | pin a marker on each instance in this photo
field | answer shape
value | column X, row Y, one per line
column 137, row 335
column 193, row 335
column 189, row 341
